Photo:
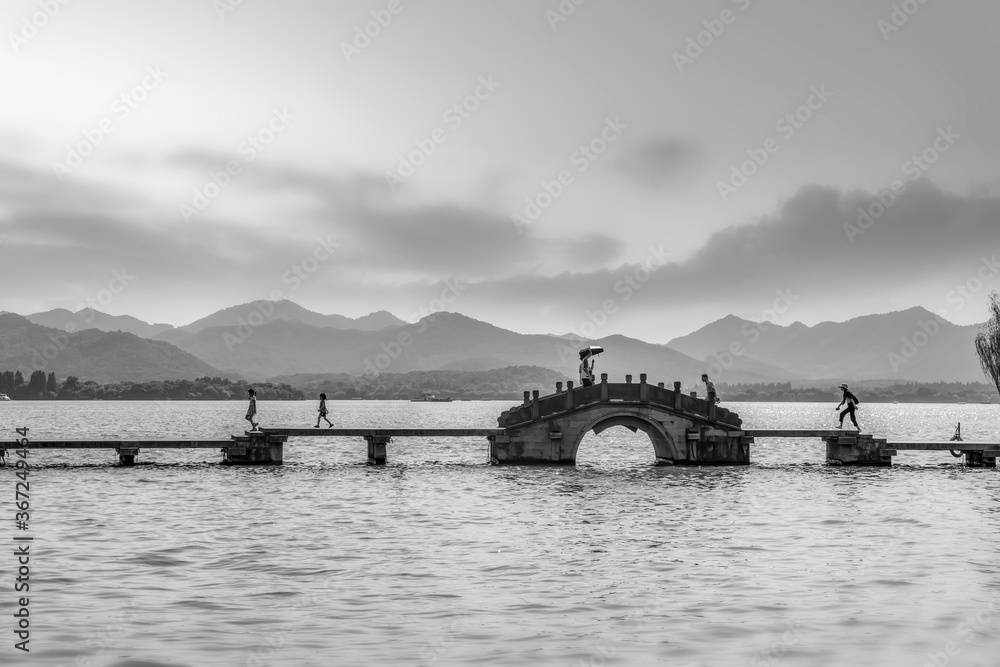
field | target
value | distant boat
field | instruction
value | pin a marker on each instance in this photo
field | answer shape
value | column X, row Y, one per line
column 4, row 397
column 430, row 398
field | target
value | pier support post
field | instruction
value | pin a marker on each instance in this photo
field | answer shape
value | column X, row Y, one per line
column 126, row 455
column 857, row 450
column 980, row 459
column 255, row 449
column 706, row 446
column 377, row 449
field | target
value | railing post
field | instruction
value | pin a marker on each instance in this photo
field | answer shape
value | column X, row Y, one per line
column 643, row 388
column 677, row 396
column 527, row 397
column 558, row 387
column 569, row 395
column 604, row 388
column 536, row 410
column 628, row 379
column 660, row 385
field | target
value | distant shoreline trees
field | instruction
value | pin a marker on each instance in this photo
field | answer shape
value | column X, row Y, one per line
column 42, row 387
column 988, row 343
column 506, row 384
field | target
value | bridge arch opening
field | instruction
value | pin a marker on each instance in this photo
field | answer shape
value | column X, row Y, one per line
column 623, row 440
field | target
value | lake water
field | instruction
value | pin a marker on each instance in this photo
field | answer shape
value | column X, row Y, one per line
column 441, row 559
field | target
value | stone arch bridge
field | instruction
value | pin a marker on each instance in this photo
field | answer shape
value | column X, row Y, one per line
column 684, row 430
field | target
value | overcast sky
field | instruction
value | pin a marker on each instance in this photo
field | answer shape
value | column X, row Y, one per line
column 612, row 120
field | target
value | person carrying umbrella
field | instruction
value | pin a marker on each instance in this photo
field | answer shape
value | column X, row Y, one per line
column 587, row 364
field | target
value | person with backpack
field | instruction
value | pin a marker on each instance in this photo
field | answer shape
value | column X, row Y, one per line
column 851, row 401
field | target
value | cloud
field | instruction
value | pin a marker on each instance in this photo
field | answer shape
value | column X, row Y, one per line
column 659, row 163
column 926, row 235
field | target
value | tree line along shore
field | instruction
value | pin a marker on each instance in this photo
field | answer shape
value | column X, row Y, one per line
column 501, row 384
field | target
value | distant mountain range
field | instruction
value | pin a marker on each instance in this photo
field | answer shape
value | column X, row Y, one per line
column 275, row 310
column 263, row 339
column 88, row 318
column 92, row 354
column 912, row 344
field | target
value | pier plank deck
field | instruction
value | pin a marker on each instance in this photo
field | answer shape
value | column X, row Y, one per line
column 127, row 444
column 299, row 432
column 957, row 445
column 799, row 432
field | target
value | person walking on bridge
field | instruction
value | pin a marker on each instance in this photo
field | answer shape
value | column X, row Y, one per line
column 851, row 401
column 710, row 394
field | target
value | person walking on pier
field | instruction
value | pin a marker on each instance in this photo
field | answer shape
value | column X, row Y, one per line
column 587, row 370
column 851, row 401
column 252, row 409
column 322, row 412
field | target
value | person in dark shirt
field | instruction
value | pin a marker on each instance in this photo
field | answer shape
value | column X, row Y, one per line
column 587, row 370
column 851, row 401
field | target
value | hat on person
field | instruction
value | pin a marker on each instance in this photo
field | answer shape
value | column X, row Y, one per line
column 843, row 386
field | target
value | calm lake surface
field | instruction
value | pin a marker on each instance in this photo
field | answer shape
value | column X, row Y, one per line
column 440, row 559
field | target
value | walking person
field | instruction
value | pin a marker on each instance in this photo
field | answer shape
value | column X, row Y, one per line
column 851, row 401
column 252, row 409
column 322, row 412
column 587, row 370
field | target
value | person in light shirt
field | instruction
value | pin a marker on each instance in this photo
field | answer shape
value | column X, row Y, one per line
column 709, row 387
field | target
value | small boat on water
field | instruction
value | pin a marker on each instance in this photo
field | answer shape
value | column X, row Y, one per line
column 430, row 398
column 4, row 397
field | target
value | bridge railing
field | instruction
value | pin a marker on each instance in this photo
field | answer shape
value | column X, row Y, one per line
column 537, row 407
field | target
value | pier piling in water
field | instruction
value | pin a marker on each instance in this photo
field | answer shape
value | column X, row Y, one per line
column 377, row 449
